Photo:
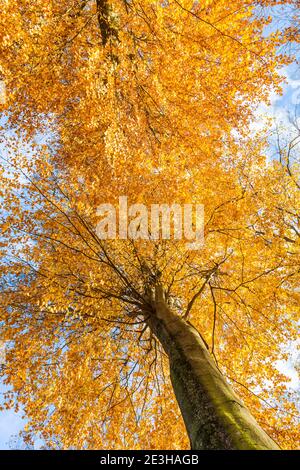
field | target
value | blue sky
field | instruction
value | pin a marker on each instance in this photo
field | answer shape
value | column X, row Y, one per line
column 10, row 424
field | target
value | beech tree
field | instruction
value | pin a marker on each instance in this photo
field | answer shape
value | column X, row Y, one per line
column 134, row 344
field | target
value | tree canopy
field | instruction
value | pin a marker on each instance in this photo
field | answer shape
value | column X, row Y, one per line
column 153, row 100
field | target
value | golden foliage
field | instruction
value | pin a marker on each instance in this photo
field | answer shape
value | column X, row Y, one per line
column 159, row 112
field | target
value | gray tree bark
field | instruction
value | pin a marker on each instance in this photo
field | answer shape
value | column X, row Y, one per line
column 214, row 416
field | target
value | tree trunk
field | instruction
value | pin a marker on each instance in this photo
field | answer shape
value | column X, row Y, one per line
column 104, row 21
column 215, row 418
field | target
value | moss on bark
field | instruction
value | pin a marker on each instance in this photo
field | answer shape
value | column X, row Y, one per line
column 214, row 416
